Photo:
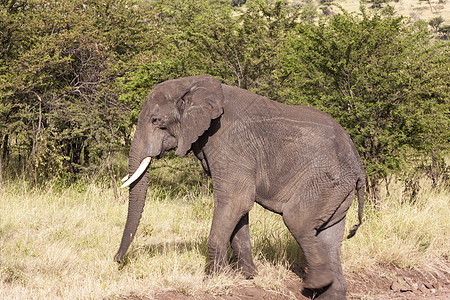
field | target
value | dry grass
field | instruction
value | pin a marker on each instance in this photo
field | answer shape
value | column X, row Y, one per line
column 404, row 234
column 414, row 9
column 60, row 245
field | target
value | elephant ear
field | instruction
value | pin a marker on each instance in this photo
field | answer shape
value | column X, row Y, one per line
column 202, row 103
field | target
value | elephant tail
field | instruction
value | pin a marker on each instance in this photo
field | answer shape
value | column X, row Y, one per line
column 360, row 187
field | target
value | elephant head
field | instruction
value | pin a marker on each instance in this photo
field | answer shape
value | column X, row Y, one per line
column 174, row 115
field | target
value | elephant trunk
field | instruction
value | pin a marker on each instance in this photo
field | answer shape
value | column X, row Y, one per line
column 136, row 202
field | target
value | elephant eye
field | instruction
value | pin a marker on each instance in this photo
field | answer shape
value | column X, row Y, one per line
column 158, row 123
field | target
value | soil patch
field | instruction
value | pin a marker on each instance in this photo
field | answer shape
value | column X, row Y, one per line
column 381, row 284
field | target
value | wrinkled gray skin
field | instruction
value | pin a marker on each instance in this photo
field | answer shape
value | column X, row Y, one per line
column 293, row 160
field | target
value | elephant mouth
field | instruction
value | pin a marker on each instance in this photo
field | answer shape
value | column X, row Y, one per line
column 139, row 171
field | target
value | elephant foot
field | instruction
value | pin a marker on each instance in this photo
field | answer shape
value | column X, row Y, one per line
column 217, row 269
column 330, row 292
column 318, row 278
column 248, row 271
column 331, row 297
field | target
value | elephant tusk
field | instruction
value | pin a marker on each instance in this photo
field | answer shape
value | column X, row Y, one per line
column 142, row 167
column 125, row 178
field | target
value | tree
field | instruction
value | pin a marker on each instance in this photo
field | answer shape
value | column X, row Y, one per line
column 197, row 37
column 436, row 23
column 58, row 93
column 383, row 79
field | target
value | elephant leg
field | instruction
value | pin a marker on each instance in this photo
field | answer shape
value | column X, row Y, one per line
column 225, row 219
column 303, row 228
column 240, row 243
column 331, row 239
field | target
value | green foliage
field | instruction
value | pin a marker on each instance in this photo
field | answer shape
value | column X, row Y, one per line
column 59, row 112
column 74, row 76
column 436, row 22
column 240, row 47
column 444, row 32
column 383, row 79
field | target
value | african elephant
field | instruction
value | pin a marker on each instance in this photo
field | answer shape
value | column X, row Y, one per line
column 293, row 160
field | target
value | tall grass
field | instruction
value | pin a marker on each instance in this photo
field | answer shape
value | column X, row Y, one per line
column 59, row 244
column 404, row 233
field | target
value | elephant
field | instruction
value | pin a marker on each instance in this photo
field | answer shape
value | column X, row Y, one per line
column 296, row 161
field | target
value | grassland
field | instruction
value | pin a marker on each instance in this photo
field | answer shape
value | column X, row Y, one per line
column 59, row 243
column 414, row 9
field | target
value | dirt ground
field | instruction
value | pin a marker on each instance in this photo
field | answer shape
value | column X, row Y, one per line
column 382, row 284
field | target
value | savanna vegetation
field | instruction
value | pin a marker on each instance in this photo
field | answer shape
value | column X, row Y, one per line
column 74, row 75
column 59, row 243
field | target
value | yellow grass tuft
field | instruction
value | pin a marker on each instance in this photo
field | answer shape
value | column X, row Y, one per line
column 60, row 244
column 404, row 234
